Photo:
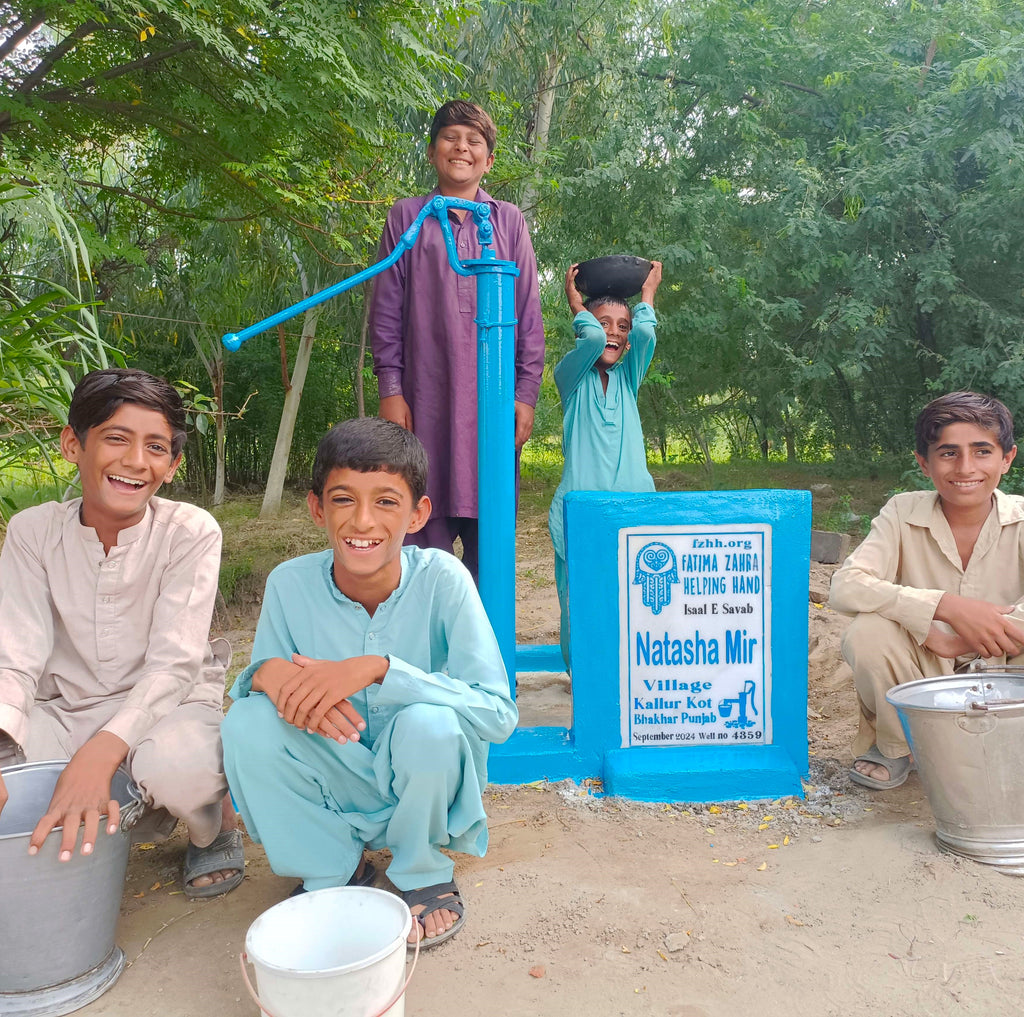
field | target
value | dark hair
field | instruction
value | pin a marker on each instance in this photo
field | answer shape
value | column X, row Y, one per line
column 459, row 112
column 368, row 444
column 963, row 408
column 592, row 302
column 100, row 394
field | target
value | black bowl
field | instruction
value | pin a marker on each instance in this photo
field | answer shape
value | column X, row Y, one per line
column 617, row 275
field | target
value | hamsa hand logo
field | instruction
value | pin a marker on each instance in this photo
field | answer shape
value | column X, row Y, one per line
column 655, row 571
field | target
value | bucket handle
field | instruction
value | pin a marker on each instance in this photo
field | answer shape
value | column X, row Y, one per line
column 243, row 958
column 1004, row 706
column 132, row 812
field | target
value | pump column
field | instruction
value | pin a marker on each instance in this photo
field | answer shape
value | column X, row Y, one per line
column 495, row 372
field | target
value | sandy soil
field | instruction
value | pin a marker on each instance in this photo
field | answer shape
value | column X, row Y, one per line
column 835, row 904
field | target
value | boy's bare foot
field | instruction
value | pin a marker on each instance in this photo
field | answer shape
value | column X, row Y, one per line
column 434, row 922
column 878, row 772
column 875, row 770
column 229, row 823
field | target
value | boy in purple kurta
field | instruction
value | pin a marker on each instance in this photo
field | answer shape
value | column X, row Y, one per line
column 423, row 329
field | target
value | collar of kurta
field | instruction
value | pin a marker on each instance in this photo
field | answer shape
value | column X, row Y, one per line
column 327, row 567
column 129, row 535
column 1008, row 510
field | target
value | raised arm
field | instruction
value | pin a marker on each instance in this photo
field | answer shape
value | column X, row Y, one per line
column 590, row 341
column 642, row 341
column 651, row 284
column 642, row 336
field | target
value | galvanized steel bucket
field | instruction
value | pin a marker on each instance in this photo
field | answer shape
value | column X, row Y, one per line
column 966, row 732
column 57, row 919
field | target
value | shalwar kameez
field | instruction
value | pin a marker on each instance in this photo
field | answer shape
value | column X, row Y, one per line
column 413, row 782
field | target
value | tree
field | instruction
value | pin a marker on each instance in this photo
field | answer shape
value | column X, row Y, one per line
column 48, row 332
column 156, row 122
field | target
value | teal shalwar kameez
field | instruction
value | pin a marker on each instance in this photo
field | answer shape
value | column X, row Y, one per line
column 413, row 783
column 602, row 441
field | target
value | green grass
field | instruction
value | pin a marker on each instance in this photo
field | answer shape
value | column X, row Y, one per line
column 253, row 546
column 23, row 486
column 854, row 501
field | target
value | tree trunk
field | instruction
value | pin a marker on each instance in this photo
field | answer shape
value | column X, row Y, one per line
column 360, row 394
column 220, row 424
column 289, row 414
column 545, row 109
column 790, row 437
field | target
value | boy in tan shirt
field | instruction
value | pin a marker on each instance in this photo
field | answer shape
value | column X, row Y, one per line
column 939, row 579
column 105, row 659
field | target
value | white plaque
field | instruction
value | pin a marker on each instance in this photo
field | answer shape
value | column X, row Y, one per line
column 695, row 617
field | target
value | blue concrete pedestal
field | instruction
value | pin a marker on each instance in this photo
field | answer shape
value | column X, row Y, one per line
column 689, row 648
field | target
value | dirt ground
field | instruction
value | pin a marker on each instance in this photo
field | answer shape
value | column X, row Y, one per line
column 835, row 904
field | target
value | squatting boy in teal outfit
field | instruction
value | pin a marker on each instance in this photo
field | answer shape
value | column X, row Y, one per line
column 374, row 689
column 598, row 381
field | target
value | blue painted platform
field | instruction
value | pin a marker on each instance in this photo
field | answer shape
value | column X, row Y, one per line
column 599, row 588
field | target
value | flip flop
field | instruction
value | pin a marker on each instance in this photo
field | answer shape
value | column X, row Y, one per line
column 226, row 852
column 432, row 898
column 899, row 769
column 368, row 878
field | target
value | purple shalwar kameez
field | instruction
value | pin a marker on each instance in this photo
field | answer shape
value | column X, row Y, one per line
column 423, row 333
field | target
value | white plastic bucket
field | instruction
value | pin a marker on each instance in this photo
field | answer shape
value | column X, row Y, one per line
column 338, row 952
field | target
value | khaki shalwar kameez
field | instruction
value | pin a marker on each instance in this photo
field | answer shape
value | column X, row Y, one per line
column 118, row 642
column 893, row 583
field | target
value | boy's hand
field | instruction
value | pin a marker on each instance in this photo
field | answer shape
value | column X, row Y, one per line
column 308, row 696
column 82, row 795
column 524, row 423
column 651, row 283
column 278, row 678
column 3, row 794
column 342, row 723
column 395, row 409
column 574, row 295
column 985, row 628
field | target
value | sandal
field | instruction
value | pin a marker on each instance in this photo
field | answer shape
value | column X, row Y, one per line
column 433, row 898
column 899, row 769
column 226, row 852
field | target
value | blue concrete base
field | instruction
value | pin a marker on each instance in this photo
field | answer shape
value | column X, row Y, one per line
column 540, row 753
column 622, row 613
column 696, row 774
column 538, row 657
column 662, row 774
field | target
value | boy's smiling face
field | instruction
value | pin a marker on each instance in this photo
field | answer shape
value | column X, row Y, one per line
column 461, row 159
column 616, row 322
column 366, row 516
column 122, row 464
column 966, row 464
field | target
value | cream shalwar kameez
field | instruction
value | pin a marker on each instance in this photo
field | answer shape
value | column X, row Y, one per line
column 118, row 642
column 893, row 583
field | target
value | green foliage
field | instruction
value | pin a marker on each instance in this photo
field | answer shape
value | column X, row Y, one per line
column 833, row 189
column 48, row 334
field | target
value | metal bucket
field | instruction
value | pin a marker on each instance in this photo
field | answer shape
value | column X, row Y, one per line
column 57, row 919
column 967, row 735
